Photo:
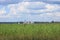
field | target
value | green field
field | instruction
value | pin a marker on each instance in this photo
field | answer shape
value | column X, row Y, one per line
column 46, row 31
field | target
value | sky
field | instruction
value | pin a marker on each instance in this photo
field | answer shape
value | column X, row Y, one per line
column 29, row 10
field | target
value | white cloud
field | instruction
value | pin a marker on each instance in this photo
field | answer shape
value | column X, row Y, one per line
column 57, row 14
column 12, row 9
column 2, row 11
column 22, row 10
column 50, row 7
column 15, row 10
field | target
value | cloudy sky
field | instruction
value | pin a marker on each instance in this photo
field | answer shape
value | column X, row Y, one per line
column 29, row 10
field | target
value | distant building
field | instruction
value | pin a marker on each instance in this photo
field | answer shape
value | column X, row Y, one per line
column 28, row 22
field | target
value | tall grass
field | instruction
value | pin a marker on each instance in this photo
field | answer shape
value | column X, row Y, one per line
column 46, row 31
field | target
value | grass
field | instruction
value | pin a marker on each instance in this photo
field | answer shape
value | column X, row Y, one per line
column 46, row 31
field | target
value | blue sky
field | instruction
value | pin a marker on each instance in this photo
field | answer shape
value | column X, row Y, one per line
column 29, row 10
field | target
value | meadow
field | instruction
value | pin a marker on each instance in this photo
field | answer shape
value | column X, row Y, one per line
column 42, row 31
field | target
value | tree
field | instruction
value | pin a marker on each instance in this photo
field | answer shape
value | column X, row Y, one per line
column 52, row 21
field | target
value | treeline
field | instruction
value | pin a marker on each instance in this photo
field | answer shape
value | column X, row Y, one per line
column 26, row 22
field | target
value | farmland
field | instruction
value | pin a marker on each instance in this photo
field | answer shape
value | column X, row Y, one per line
column 45, row 31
